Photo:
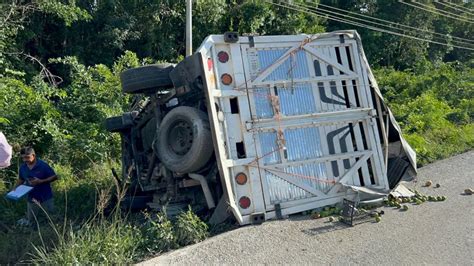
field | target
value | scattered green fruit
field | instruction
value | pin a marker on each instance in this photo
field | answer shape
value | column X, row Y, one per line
column 377, row 219
column 438, row 186
column 405, row 207
column 468, row 191
column 331, row 219
column 428, row 183
column 418, row 202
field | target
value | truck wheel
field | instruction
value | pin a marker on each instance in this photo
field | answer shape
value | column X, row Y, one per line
column 146, row 79
column 184, row 142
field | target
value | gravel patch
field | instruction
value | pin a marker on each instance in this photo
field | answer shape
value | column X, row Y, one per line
column 431, row 233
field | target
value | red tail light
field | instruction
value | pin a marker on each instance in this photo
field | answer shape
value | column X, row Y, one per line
column 244, row 202
column 223, row 57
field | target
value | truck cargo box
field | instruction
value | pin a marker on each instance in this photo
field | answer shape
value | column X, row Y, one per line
column 298, row 123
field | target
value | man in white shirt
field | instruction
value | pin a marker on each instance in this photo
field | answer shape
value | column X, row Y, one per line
column 5, row 152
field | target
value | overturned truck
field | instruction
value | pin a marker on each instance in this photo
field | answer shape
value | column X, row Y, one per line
column 260, row 127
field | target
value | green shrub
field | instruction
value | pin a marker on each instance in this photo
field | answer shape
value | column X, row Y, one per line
column 434, row 106
column 159, row 234
column 76, row 193
column 190, row 229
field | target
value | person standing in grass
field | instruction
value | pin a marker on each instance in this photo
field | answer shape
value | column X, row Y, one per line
column 38, row 174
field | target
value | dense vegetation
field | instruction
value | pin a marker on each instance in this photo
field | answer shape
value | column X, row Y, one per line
column 59, row 66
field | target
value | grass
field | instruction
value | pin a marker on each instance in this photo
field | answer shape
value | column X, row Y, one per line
column 120, row 240
column 81, row 233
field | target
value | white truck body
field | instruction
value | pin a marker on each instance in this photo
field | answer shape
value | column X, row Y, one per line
column 302, row 118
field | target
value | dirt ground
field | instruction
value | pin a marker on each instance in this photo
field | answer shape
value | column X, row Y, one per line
column 432, row 233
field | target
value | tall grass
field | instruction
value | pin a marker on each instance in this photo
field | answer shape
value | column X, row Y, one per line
column 120, row 240
column 81, row 233
column 102, row 243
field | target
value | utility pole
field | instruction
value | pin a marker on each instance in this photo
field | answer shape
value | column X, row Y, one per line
column 189, row 27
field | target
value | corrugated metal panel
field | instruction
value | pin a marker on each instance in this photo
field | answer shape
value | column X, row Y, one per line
column 311, row 174
column 263, row 104
column 303, row 143
column 268, row 57
column 297, row 99
column 269, row 146
column 280, row 190
column 295, row 66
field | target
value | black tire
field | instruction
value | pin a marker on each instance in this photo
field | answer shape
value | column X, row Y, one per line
column 118, row 123
column 184, row 141
column 146, row 79
column 115, row 124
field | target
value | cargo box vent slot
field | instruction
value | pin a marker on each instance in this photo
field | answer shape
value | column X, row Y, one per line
column 234, row 105
column 240, row 147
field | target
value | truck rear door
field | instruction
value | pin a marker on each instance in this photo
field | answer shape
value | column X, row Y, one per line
column 294, row 114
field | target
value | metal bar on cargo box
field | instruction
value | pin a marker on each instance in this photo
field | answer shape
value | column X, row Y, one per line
column 350, row 172
column 328, row 60
column 313, row 119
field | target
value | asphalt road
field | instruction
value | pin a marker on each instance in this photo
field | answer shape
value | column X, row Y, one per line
column 432, row 233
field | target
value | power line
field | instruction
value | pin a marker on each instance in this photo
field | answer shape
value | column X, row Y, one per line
column 449, row 6
column 316, row 12
column 396, row 23
column 337, row 14
column 320, row 14
column 443, row 11
column 432, row 11
column 467, row 9
column 468, row 42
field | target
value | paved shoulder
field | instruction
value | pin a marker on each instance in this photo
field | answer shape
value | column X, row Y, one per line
column 432, row 233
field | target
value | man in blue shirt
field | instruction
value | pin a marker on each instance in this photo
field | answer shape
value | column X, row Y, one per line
column 38, row 174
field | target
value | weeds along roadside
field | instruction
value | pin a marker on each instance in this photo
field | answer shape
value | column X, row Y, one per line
column 81, row 233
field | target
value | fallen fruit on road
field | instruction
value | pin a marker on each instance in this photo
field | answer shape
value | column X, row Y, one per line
column 331, row 219
column 405, row 207
column 468, row 191
column 428, row 183
column 438, row 185
column 377, row 219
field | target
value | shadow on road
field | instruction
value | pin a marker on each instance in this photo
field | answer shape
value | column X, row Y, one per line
column 330, row 227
